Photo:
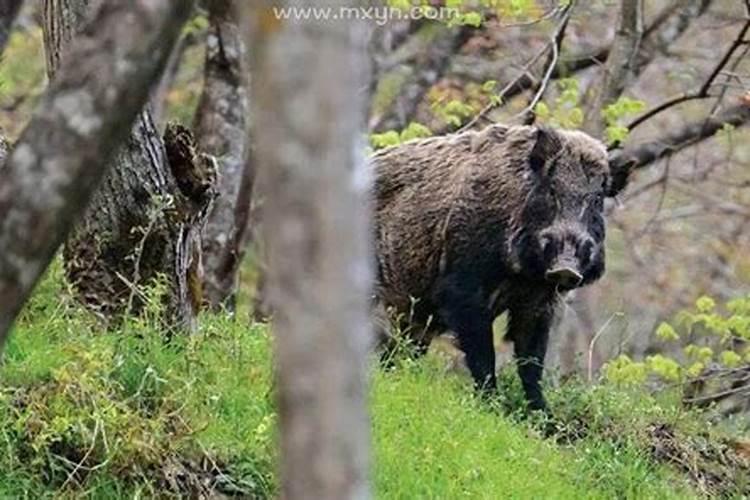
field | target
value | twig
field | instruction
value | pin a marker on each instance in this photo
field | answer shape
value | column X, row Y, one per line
column 592, row 344
column 552, row 45
column 157, row 210
column 550, row 13
column 664, row 181
column 703, row 91
column 502, row 94
column 711, row 398
column 556, row 43
column 622, row 162
column 79, row 465
column 528, row 112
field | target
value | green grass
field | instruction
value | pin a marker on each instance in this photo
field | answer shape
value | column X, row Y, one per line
column 92, row 413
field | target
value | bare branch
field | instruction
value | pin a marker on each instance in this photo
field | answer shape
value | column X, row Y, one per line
column 623, row 162
column 666, row 28
column 428, row 69
column 669, row 25
column 516, row 86
column 555, row 43
column 160, row 92
column 703, row 91
column 479, row 69
column 85, row 114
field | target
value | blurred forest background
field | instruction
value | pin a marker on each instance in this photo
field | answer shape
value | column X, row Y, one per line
column 678, row 235
column 679, row 232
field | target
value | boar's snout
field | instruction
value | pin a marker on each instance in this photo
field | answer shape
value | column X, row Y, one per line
column 564, row 277
column 566, row 255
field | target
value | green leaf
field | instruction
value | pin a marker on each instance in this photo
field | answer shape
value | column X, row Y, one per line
column 664, row 367
column 730, row 359
column 474, row 19
column 705, row 304
column 415, row 131
column 541, row 110
column 666, row 332
column 386, row 139
column 616, row 133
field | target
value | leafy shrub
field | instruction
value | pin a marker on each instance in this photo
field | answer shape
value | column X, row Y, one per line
column 565, row 111
column 392, row 138
column 614, row 115
column 713, row 350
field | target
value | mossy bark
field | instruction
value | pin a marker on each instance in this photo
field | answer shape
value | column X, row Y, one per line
column 220, row 125
column 144, row 221
column 85, row 114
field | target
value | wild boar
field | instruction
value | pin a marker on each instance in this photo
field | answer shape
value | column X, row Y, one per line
column 472, row 225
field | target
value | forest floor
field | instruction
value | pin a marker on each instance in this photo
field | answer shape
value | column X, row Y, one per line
column 120, row 414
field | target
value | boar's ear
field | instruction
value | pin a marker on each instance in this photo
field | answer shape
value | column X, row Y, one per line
column 546, row 146
column 619, row 173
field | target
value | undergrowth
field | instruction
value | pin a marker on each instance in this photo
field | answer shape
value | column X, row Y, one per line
column 87, row 412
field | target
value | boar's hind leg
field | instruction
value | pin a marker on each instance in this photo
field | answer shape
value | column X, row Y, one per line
column 529, row 330
column 462, row 309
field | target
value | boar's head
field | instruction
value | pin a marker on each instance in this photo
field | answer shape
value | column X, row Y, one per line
column 559, row 235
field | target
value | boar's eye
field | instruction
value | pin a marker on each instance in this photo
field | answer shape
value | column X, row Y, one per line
column 597, row 200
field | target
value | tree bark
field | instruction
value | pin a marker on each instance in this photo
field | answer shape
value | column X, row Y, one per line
column 144, row 221
column 82, row 118
column 624, row 161
column 306, row 93
column 220, row 125
column 621, row 64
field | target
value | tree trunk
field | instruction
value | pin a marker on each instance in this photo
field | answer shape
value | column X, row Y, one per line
column 84, row 115
column 622, row 62
column 220, row 127
column 307, row 97
column 144, row 221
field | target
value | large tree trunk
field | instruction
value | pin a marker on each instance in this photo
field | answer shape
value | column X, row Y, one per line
column 220, row 127
column 145, row 219
column 84, row 115
column 308, row 101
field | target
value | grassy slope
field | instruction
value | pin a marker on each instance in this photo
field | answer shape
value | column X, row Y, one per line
column 131, row 411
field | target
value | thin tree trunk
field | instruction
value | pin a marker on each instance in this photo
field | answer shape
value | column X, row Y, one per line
column 144, row 221
column 307, row 97
column 84, row 115
column 220, row 125
column 622, row 62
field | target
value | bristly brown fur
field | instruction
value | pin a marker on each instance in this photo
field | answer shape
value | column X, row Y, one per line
column 460, row 229
column 426, row 190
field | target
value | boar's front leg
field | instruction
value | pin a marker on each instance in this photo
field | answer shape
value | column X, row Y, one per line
column 462, row 308
column 529, row 330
